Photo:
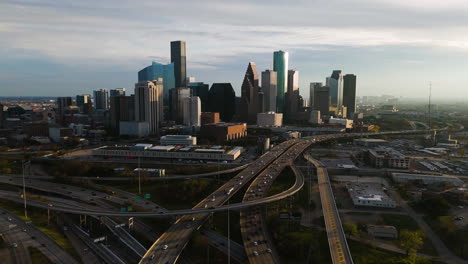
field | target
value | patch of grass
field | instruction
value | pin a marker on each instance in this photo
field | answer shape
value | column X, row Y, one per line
column 359, row 213
column 452, row 236
column 37, row 257
column 400, row 221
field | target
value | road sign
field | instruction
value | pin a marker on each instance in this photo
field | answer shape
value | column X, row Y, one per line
column 129, row 208
column 148, row 195
column 137, row 198
column 123, row 209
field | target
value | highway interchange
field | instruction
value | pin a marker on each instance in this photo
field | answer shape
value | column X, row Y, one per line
column 170, row 244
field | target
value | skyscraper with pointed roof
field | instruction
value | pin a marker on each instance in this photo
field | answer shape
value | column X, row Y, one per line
column 249, row 95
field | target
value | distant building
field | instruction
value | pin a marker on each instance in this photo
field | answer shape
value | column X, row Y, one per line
column 201, row 90
column 322, row 99
column 313, row 86
column 157, row 70
column 427, row 179
column 347, row 123
column 315, row 117
column 384, row 157
column 122, row 108
column 336, row 89
column 292, row 100
column 2, row 115
column 349, row 94
column 209, row 118
column 192, row 111
column 269, row 119
column 222, row 132
column 177, row 97
column 178, row 57
column 57, row 134
column 134, row 128
column 83, row 100
column 185, row 140
column 62, row 104
column 222, row 99
column 369, row 194
column 149, row 103
column 117, row 92
column 382, row 231
column 269, row 88
column 249, row 95
column 101, row 99
column 36, row 129
column 280, row 66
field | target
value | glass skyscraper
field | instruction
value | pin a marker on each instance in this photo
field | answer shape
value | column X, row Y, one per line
column 158, row 70
column 280, row 65
column 178, row 57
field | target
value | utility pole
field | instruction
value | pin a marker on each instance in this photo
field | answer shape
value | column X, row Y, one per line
column 429, row 107
column 139, row 176
column 24, row 188
column 229, row 236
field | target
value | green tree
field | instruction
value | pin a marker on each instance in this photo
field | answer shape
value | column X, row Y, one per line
column 351, row 229
column 411, row 241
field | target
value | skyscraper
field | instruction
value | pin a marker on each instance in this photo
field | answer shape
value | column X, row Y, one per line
column 118, row 91
column 200, row 89
column 176, row 103
column 149, row 103
column 122, row 108
column 101, row 99
column 192, row 111
column 82, row 100
column 322, row 99
column 336, row 89
column 280, row 65
column 249, row 94
column 269, row 87
column 62, row 104
column 222, row 99
column 313, row 86
column 293, row 92
column 349, row 93
column 156, row 71
column 178, row 57
column 260, row 100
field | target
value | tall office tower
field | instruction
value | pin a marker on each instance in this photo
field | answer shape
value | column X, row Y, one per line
column 156, row 71
column 222, row 99
column 322, row 99
column 200, row 89
column 190, row 79
column 280, row 66
column 269, row 87
column 313, row 86
column 117, row 91
column 82, row 100
column 178, row 57
column 62, row 103
column 192, row 111
column 260, row 101
column 176, row 103
column 101, row 99
column 249, row 93
column 336, row 89
column 293, row 92
column 349, row 94
column 149, row 103
column 122, row 108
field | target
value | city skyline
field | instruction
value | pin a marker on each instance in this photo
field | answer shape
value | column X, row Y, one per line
column 390, row 52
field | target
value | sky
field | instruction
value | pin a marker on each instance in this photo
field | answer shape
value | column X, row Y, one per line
column 396, row 47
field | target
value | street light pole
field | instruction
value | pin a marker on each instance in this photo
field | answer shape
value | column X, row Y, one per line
column 139, row 176
column 24, row 189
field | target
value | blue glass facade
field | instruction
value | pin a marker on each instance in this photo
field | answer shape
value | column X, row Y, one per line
column 280, row 66
column 158, row 70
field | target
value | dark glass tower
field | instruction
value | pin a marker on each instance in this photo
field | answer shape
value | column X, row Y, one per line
column 178, row 57
column 249, row 93
column 349, row 93
column 222, row 99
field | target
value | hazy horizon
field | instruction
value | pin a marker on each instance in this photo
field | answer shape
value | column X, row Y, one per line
column 394, row 47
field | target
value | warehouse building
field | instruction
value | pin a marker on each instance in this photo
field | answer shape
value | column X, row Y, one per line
column 369, row 194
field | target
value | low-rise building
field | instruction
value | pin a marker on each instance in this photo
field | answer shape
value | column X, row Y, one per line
column 384, row 157
column 383, row 231
column 347, row 123
column 269, row 119
column 369, row 194
column 185, row 140
column 426, row 178
column 221, row 132
column 370, row 142
column 57, row 134
column 151, row 152
column 209, row 118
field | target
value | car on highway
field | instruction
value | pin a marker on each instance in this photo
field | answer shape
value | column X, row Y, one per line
column 255, row 253
column 165, row 247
